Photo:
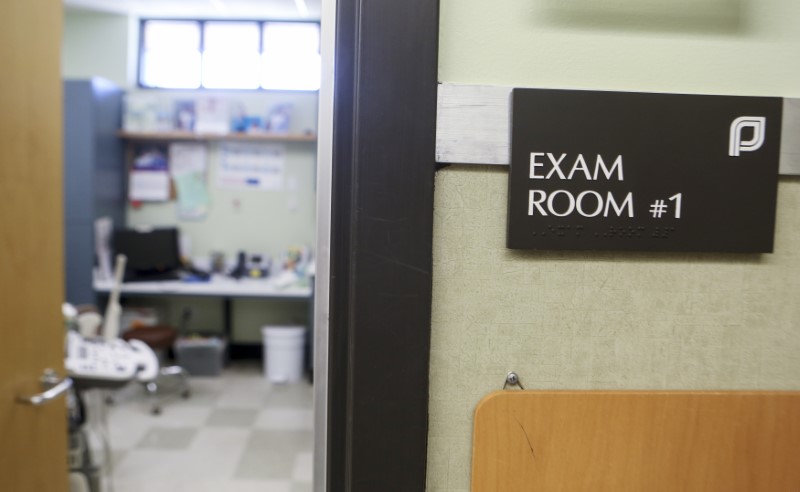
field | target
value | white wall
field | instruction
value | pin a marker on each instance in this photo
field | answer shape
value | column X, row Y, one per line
column 541, row 44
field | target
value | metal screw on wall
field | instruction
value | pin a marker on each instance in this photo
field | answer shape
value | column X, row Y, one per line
column 512, row 379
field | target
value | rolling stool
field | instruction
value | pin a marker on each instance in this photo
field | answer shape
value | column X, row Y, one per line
column 160, row 338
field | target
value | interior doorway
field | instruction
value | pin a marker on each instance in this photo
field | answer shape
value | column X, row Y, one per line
column 239, row 429
column 376, row 339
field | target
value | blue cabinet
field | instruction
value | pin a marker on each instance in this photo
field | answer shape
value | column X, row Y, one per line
column 94, row 176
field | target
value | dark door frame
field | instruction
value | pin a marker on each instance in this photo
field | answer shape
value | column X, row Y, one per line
column 383, row 153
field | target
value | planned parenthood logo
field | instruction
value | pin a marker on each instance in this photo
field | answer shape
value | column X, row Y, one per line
column 736, row 145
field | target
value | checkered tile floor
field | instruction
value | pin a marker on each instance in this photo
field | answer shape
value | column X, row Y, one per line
column 236, row 433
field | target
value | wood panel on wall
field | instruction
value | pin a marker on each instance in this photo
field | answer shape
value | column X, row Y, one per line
column 635, row 441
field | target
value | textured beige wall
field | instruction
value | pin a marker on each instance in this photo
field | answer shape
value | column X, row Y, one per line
column 572, row 320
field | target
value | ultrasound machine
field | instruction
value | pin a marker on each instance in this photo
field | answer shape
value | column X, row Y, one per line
column 95, row 362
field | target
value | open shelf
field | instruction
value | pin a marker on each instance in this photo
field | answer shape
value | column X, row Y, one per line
column 250, row 137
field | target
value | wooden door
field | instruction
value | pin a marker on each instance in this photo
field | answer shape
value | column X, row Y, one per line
column 33, row 445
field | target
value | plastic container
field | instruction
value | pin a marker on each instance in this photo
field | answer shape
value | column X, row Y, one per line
column 201, row 356
column 284, row 350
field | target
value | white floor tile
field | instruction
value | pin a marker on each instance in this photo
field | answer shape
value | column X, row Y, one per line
column 215, row 441
column 203, row 486
column 303, row 467
column 285, row 419
column 167, row 438
column 156, row 466
column 219, row 457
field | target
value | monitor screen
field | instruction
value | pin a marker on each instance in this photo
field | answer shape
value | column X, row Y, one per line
column 152, row 254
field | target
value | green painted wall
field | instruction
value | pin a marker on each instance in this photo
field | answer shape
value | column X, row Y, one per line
column 582, row 320
column 256, row 221
column 95, row 44
column 100, row 44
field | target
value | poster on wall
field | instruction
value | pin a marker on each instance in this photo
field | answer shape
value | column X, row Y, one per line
column 148, row 179
column 595, row 170
column 188, row 168
column 257, row 166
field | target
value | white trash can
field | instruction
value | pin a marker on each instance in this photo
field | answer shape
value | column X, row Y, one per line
column 284, row 348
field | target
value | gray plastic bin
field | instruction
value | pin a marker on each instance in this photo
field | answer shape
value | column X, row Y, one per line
column 201, row 356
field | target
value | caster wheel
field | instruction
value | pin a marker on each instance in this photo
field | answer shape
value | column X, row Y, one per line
column 186, row 394
column 156, row 411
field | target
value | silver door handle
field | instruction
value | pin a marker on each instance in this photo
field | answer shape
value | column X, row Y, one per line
column 55, row 388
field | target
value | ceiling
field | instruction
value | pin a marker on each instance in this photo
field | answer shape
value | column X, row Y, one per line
column 206, row 9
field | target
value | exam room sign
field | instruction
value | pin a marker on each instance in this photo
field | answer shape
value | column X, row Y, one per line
column 639, row 171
